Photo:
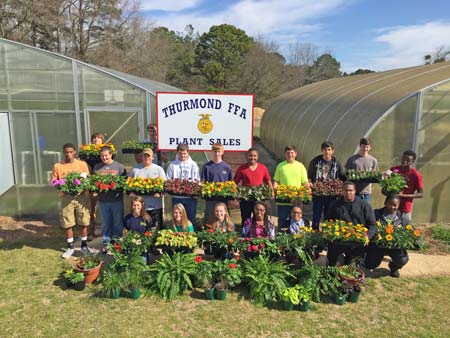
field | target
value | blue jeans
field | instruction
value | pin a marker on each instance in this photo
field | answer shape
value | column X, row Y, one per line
column 190, row 204
column 112, row 220
column 283, row 212
column 320, row 203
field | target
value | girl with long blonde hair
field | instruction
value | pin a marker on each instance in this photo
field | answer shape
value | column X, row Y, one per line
column 180, row 222
column 220, row 220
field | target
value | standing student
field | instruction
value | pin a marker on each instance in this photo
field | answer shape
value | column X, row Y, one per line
column 153, row 203
column 97, row 139
column 364, row 162
column 74, row 209
column 414, row 181
column 252, row 174
column 324, row 167
column 111, row 202
column 180, row 221
column 138, row 220
column 215, row 170
column 184, row 168
column 289, row 172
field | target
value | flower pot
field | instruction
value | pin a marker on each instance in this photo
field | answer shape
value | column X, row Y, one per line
column 79, row 286
column 305, row 306
column 354, row 296
column 135, row 293
column 209, row 293
column 115, row 294
column 220, row 294
column 287, row 305
column 340, row 299
column 90, row 275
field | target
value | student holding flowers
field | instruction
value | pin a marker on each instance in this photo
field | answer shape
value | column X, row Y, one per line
column 74, row 209
column 390, row 216
column 180, row 221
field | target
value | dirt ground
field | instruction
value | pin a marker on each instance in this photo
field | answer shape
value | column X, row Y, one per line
column 36, row 230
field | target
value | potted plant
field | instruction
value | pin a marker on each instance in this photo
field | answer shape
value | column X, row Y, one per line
column 75, row 279
column 204, row 276
column 255, row 193
column 253, row 247
column 327, row 187
column 143, row 186
column 353, row 277
column 171, row 242
column 227, row 189
column 173, row 274
column 289, row 297
column 135, row 147
column 112, row 282
column 345, row 233
column 90, row 266
column 72, row 184
column 291, row 193
column 226, row 273
column 398, row 237
column 342, row 293
column 91, row 151
column 392, row 182
column 304, row 296
column 178, row 187
column 265, row 278
column 103, row 183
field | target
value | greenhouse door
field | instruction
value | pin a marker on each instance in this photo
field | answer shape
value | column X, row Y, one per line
column 118, row 125
column 6, row 158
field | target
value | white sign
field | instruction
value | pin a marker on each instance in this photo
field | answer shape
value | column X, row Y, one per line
column 200, row 120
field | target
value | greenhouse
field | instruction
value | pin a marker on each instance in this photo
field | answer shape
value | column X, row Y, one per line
column 47, row 100
column 398, row 109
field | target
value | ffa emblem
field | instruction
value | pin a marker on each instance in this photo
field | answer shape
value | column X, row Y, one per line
column 205, row 125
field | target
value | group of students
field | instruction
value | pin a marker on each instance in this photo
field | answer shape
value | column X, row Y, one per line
column 147, row 211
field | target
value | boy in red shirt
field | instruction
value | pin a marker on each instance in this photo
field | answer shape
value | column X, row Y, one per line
column 414, row 181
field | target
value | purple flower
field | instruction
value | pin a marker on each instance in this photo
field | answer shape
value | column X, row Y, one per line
column 62, row 181
column 76, row 181
column 396, row 171
column 54, row 182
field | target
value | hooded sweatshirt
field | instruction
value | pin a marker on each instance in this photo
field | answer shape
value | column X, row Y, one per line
column 187, row 170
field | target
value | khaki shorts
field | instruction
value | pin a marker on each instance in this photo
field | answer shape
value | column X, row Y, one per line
column 74, row 210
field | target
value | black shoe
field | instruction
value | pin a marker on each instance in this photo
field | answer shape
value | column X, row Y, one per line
column 394, row 271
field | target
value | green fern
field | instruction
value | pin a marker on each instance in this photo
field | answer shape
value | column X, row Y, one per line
column 173, row 274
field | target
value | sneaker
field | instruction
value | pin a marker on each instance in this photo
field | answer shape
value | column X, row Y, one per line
column 394, row 271
column 68, row 253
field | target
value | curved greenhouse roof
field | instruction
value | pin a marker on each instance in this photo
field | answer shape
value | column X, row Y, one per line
column 398, row 109
column 343, row 109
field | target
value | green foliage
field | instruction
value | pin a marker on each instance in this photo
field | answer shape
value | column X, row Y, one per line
column 324, row 67
column 256, row 193
column 218, row 52
column 74, row 277
column 265, row 278
column 111, row 280
column 176, row 239
column 133, row 144
column 392, row 182
column 88, row 261
column 173, row 274
column 204, row 273
column 441, row 233
column 227, row 272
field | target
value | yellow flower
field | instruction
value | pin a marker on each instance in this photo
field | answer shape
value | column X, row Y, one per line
column 409, row 227
column 389, row 237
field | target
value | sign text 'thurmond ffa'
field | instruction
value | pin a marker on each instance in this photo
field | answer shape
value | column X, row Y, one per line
column 200, row 120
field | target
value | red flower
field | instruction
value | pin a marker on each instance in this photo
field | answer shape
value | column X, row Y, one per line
column 237, row 257
column 112, row 185
column 104, row 187
column 254, row 247
column 262, row 245
column 198, row 259
column 117, row 246
column 232, row 266
column 98, row 184
column 247, row 239
column 147, row 234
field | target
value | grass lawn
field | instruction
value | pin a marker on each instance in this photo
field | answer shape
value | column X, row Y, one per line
column 34, row 302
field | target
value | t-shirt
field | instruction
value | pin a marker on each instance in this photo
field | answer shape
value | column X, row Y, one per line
column 179, row 228
column 114, row 168
column 61, row 169
column 251, row 178
column 154, row 171
column 216, row 172
column 414, row 183
column 366, row 163
column 320, row 169
column 136, row 223
column 291, row 173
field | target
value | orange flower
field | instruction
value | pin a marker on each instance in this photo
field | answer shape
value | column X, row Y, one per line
column 416, row 233
column 390, row 229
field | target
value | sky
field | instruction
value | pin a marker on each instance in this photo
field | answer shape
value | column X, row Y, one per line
column 377, row 35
